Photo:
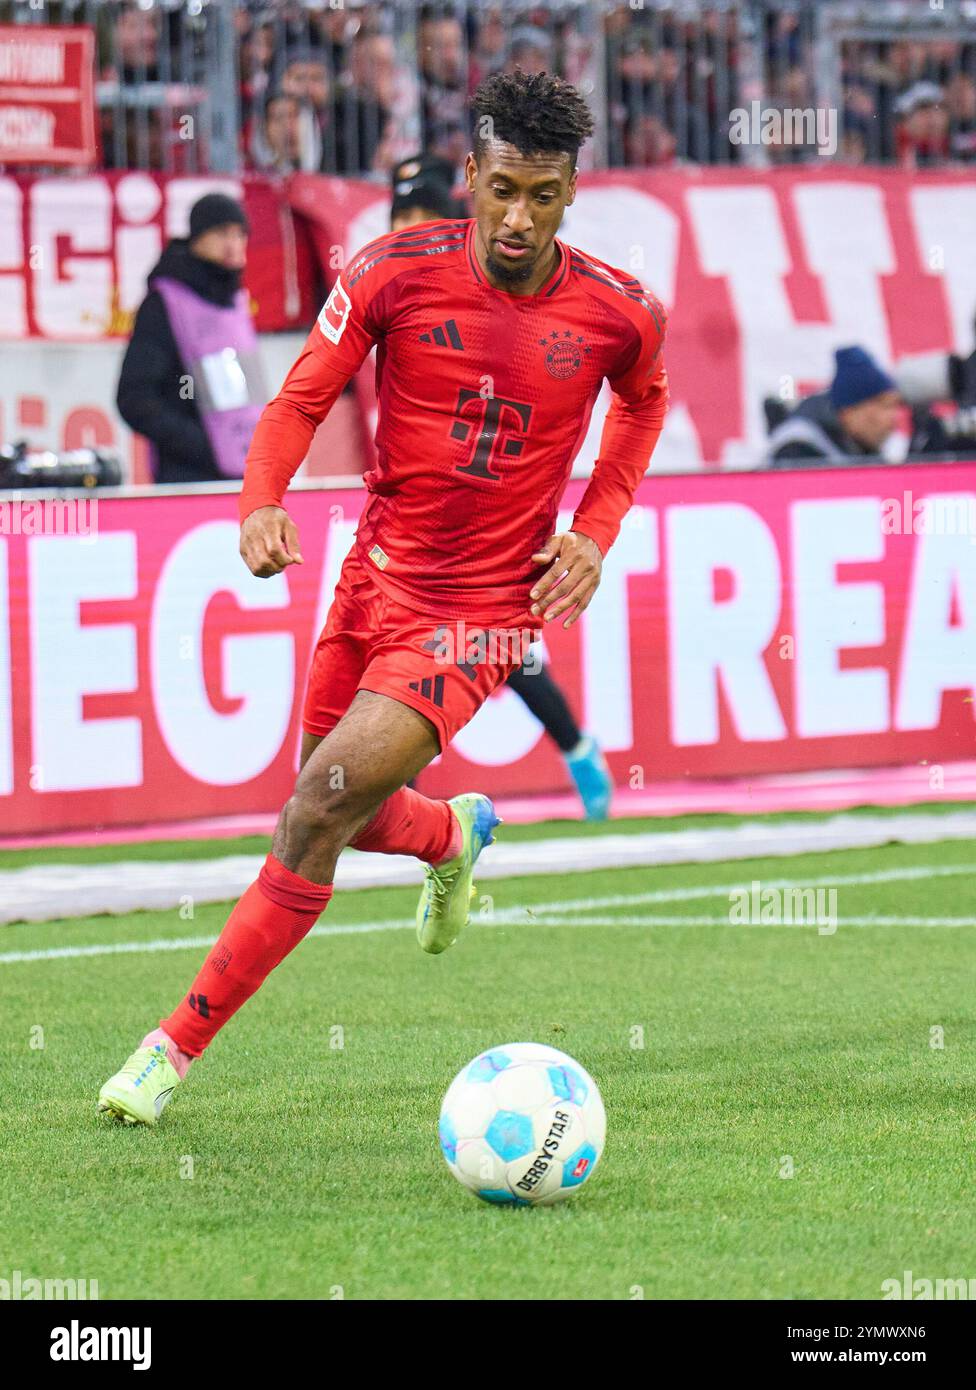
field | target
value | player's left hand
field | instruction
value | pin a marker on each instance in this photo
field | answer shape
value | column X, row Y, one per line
column 573, row 577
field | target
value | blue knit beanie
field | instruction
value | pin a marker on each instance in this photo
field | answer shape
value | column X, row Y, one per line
column 857, row 378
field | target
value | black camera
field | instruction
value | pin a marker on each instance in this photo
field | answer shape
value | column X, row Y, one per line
column 21, row 467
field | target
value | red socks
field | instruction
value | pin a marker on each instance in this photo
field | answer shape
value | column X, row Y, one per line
column 270, row 920
column 278, row 910
column 408, row 823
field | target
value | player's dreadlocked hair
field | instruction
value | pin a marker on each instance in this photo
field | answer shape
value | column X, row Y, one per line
column 534, row 112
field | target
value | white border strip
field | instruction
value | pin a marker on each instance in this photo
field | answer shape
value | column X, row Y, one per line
column 57, row 891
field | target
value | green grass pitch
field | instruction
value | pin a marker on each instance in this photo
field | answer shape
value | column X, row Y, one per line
column 291, row 1167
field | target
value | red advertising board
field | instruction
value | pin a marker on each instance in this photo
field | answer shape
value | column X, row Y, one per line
column 746, row 623
column 47, row 94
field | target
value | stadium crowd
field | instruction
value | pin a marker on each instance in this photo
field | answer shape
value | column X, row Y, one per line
column 350, row 90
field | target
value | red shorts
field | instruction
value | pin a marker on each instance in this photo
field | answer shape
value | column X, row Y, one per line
column 444, row 670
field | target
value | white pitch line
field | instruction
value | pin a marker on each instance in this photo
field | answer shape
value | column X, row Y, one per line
column 183, row 943
column 709, row 890
column 554, row 920
column 550, row 914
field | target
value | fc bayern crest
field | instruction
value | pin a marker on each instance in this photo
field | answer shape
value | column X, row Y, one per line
column 565, row 353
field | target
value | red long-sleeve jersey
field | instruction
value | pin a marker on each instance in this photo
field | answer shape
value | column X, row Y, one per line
column 484, row 400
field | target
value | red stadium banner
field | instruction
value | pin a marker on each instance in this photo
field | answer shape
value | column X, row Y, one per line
column 745, row 624
column 764, row 272
column 75, row 253
column 47, row 94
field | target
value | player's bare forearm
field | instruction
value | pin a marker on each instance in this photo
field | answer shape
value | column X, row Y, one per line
column 269, row 542
column 575, row 566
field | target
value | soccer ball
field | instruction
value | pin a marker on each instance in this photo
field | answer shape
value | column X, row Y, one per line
column 522, row 1125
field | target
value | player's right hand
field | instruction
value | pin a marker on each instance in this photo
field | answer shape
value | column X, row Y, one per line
column 269, row 542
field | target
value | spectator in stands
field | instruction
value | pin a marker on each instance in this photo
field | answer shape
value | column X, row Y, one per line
column 287, row 138
column 131, row 132
column 134, row 46
column 365, row 103
column 680, row 117
column 134, row 139
column 441, row 42
column 490, row 48
column 791, row 143
column 860, row 110
column 671, row 74
column 853, row 148
column 617, row 22
column 784, row 40
column 922, row 136
column 442, row 60
column 303, row 73
column 647, row 142
column 637, row 62
column 655, row 118
column 334, row 29
column 531, row 50
column 909, row 62
column 190, row 381
column 574, row 41
column 631, row 69
column 256, row 63
column 851, row 421
column 960, row 98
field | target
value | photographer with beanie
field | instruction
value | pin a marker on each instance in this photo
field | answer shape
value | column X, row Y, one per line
column 191, row 381
column 850, row 422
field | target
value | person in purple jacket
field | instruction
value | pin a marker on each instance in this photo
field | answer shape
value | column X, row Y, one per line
column 191, row 379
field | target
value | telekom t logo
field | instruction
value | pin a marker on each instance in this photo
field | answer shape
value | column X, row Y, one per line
column 499, row 427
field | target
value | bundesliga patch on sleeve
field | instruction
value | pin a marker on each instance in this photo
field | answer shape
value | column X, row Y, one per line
column 335, row 313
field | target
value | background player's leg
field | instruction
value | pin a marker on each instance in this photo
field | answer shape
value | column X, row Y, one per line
column 373, row 749
column 543, row 698
column 584, row 760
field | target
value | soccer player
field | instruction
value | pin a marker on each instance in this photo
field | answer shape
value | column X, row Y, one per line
column 494, row 337
column 422, row 193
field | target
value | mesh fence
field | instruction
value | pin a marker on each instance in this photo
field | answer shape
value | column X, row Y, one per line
column 353, row 87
